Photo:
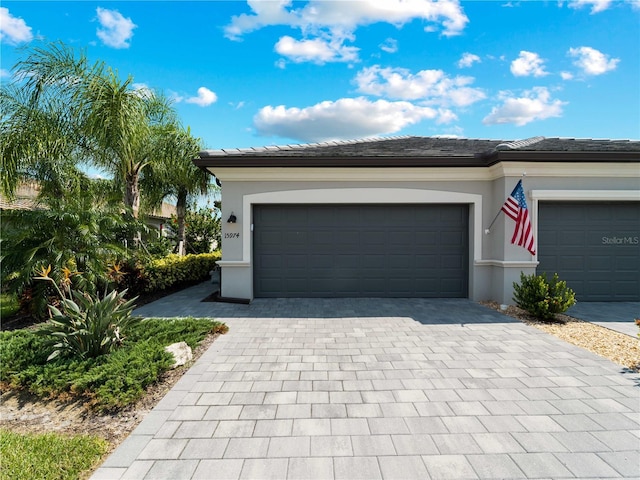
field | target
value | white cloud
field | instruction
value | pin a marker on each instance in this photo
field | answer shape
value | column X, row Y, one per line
column 596, row 5
column 143, row 90
column 592, row 61
column 317, row 50
column 468, row 59
column 433, row 87
column 390, row 45
column 535, row 104
column 116, row 30
column 205, row 97
column 347, row 16
column 326, row 25
column 13, row 30
column 343, row 119
column 4, row 73
column 527, row 64
column 566, row 75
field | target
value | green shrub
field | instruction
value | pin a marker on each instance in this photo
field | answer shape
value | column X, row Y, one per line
column 85, row 325
column 175, row 270
column 543, row 298
column 110, row 382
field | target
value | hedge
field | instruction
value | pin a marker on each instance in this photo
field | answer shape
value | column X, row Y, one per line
column 175, row 270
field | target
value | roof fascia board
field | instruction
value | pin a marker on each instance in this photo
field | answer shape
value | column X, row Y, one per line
column 573, row 156
column 500, row 170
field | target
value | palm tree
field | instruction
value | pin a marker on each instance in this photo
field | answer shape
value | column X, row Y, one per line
column 39, row 134
column 61, row 108
column 122, row 122
column 176, row 175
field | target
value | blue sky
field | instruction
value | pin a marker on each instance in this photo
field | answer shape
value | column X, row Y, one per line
column 252, row 73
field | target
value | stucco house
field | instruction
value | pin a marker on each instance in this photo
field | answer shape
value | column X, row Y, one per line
column 410, row 216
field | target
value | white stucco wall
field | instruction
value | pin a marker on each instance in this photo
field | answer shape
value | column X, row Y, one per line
column 494, row 263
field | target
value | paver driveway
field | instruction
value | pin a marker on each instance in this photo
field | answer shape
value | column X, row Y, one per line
column 347, row 389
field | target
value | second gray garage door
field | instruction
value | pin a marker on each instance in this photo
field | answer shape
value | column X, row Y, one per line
column 595, row 247
column 361, row 250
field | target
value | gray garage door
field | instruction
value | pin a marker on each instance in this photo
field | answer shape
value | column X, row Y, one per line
column 360, row 251
column 593, row 246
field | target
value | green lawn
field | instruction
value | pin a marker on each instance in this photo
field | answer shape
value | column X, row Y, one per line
column 48, row 456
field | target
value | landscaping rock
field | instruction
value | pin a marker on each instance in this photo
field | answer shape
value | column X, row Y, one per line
column 181, row 353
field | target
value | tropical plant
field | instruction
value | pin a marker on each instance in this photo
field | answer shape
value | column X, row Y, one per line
column 176, row 175
column 82, row 231
column 109, row 382
column 86, row 326
column 541, row 297
column 40, row 136
column 60, row 108
column 202, row 229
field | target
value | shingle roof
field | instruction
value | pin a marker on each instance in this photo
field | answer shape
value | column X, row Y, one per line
column 423, row 152
column 428, row 147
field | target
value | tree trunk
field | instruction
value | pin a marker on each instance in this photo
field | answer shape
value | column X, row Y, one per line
column 132, row 193
column 181, row 212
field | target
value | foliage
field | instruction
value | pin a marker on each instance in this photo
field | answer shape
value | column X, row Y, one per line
column 39, row 133
column 48, row 456
column 541, row 297
column 160, row 274
column 60, row 109
column 87, row 326
column 176, row 175
column 9, row 305
column 82, row 232
column 158, row 246
column 110, row 382
column 202, row 230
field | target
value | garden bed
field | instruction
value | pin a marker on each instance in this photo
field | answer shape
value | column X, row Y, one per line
column 615, row 346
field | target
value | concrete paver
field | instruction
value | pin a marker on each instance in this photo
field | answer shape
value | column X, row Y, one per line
column 380, row 388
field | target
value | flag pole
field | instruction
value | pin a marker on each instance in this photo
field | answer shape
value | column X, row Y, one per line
column 488, row 229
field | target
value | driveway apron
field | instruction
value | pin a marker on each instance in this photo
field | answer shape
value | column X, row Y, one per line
column 384, row 389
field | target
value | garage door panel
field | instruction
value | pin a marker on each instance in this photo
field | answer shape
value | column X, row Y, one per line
column 426, row 238
column 584, row 243
column 377, row 238
column 364, row 250
column 450, row 285
column 451, row 262
column 452, row 239
column 426, row 262
column 627, row 263
column 599, row 263
column 572, row 263
column 271, row 262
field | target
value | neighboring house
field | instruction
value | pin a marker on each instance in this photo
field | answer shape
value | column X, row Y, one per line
column 407, row 217
column 160, row 218
column 25, row 198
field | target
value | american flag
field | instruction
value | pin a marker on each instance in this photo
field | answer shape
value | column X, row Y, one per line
column 516, row 208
